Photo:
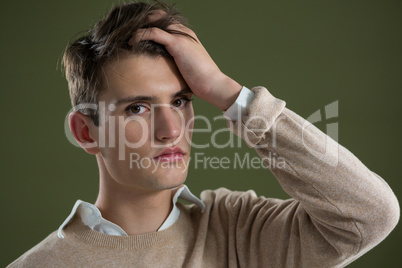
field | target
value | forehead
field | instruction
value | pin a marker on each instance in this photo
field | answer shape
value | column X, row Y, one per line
column 132, row 75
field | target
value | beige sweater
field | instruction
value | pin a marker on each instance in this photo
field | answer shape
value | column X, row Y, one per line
column 337, row 213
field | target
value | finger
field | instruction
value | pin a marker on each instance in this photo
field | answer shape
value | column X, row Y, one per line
column 181, row 28
column 156, row 15
column 159, row 14
column 153, row 34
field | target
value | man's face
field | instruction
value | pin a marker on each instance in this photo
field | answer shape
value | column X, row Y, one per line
column 147, row 114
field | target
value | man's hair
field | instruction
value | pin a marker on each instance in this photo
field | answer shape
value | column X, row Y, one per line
column 85, row 58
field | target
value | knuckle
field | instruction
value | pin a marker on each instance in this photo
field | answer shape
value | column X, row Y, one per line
column 152, row 31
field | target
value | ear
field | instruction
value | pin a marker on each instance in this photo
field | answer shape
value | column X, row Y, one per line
column 84, row 131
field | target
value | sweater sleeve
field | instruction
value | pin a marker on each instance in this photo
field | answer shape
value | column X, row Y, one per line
column 339, row 208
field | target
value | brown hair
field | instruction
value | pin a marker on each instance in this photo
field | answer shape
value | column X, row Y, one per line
column 83, row 59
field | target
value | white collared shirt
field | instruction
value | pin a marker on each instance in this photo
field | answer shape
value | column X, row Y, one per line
column 92, row 217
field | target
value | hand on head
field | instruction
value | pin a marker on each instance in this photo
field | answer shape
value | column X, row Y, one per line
column 196, row 66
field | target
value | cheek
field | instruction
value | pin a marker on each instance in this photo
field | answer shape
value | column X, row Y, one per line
column 135, row 133
column 127, row 133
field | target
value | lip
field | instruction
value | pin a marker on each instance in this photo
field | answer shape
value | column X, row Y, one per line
column 170, row 154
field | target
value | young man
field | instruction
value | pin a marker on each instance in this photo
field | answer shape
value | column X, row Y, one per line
column 131, row 80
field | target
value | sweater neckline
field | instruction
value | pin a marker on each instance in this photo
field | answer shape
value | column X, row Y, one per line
column 76, row 228
column 92, row 217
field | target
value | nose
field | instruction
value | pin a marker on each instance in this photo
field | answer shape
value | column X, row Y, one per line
column 167, row 124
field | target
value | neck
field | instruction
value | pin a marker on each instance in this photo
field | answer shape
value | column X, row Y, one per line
column 135, row 211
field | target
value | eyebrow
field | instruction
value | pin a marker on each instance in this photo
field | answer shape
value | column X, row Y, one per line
column 150, row 98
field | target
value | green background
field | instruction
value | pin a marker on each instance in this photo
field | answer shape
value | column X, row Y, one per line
column 308, row 53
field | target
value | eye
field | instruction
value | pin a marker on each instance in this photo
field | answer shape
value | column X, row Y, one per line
column 180, row 103
column 136, row 109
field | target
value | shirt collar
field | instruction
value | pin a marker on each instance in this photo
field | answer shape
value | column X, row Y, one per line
column 92, row 217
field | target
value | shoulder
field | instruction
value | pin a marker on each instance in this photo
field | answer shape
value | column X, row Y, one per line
column 224, row 195
column 238, row 200
column 39, row 255
column 229, row 204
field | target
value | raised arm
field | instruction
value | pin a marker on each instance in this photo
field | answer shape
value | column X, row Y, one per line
column 339, row 210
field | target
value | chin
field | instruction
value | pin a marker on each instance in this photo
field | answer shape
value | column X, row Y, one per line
column 168, row 179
